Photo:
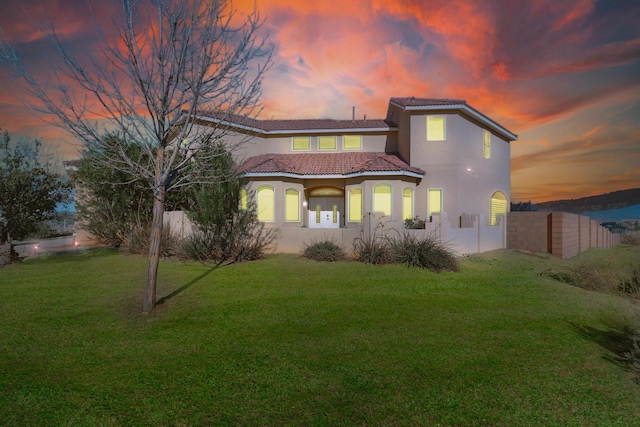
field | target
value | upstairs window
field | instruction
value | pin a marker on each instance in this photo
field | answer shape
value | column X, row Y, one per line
column 301, row 143
column 352, row 142
column 487, row 145
column 327, row 143
column 436, row 128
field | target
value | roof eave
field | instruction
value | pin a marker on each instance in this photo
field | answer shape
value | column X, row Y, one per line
column 328, row 176
column 294, row 131
column 504, row 132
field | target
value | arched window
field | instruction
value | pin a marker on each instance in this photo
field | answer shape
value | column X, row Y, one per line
column 498, row 206
column 382, row 199
column 407, row 203
column 292, row 205
column 266, row 204
column 355, row 205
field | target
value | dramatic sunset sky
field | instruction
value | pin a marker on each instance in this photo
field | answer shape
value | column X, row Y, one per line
column 563, row 75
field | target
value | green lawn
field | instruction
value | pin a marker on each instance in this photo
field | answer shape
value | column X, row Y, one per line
column 289, row 341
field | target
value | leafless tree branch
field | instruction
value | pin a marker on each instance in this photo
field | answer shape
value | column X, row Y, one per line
column 158, row 65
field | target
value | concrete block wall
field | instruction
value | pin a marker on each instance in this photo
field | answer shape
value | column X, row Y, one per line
column 528, row 231
column 584, row 225
column 565, row 234
column 593, row 233
column 562, row 234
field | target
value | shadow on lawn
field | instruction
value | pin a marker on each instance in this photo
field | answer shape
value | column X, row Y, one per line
column 188, row 285
column 618, row 339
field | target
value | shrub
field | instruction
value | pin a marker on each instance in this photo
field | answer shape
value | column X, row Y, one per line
column 242, row 239
column 424, row 252
column 373, row 247
column 7, row 254
column 630, row 239
column 630, row 284
column 600, row 275
column 324, row 250
column 372, row 251
column 199, row 246
column 414, row 223
column 137, row 241
column 595, row 275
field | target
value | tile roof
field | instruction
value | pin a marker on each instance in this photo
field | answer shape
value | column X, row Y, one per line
column 327, row 164
column 426, row 102
column 460, row 105
column 299, row 124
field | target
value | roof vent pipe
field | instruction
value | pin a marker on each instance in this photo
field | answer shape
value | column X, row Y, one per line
column 353, row 113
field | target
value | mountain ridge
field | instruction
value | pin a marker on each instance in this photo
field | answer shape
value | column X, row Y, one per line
column 607, row 201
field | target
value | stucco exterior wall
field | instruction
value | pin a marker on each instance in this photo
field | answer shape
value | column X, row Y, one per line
column 457, row 164
column 246, row 145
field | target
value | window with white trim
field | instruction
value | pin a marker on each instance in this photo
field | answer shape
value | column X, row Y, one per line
column 436, row 128
column 499, row 206
column 355, row 205
column 487, row 145
column 327, row 143
column 434, row 201
column 243, row 199
column 407, row 203
column 292, row 205
column 301, row 143
column 382, row 200
column 266, row 204
column 352, row 142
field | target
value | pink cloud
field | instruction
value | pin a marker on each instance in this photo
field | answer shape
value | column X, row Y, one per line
column 527, row 65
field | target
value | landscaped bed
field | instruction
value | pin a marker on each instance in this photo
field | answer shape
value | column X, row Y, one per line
column 291, row 341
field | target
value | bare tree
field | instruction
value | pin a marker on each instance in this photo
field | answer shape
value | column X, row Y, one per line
column 162, row 63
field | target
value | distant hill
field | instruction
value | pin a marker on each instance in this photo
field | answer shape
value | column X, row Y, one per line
column 616, row 215
column 603, row 202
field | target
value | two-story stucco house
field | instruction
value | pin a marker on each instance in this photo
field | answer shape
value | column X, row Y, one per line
column 436, row 159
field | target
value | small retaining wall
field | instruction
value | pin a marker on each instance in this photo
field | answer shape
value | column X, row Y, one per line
column 562, row 234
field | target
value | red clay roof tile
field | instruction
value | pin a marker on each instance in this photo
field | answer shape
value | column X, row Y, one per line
column 327, row 163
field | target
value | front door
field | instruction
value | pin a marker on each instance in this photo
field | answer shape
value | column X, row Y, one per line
column 325, row 212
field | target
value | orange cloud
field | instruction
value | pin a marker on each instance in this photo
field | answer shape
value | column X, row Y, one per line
column 563, row 75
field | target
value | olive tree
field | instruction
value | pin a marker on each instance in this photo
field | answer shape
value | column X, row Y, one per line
column 156, row 66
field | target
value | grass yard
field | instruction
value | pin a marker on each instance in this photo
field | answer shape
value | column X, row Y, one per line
column 289, row 341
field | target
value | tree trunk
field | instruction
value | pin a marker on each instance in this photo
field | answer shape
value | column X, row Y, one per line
column 156, row 237
column 154, row 252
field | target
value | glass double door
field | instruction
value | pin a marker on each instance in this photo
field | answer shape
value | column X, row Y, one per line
column 325, row 212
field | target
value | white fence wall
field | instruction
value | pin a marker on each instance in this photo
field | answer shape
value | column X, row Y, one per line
column 474, row 238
